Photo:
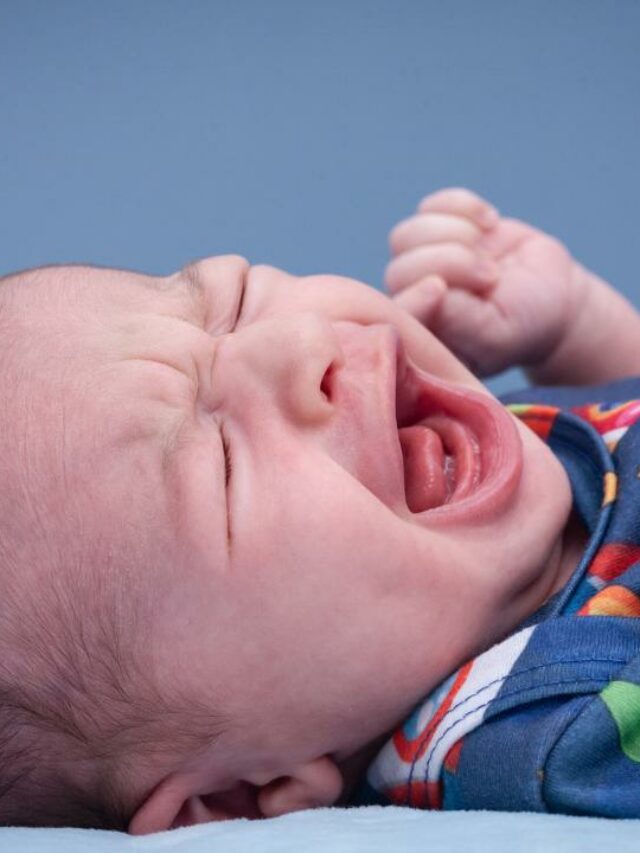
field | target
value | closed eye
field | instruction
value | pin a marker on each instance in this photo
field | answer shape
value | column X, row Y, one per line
column 241, row 301
column 226, row 449
column 227, row 457
column 227, row 477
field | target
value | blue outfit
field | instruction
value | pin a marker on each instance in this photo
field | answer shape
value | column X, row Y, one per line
column 547, row 720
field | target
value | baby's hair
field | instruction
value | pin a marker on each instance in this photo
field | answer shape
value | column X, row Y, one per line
column 78, row 719
column 84, row 717
column 80, row 716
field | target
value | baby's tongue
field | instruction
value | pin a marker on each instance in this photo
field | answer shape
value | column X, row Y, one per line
column 425, row 481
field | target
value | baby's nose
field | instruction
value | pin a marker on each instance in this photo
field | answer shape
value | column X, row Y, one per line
column 294, row 358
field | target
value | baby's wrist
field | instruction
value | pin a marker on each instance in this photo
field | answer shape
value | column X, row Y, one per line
column 601, row 342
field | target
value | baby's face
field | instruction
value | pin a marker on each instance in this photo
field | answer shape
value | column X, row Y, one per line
column 301, row 592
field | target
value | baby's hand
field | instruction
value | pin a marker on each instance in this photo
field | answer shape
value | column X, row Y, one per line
column 496, row 291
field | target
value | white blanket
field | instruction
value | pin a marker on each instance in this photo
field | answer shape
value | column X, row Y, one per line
column 374, row 829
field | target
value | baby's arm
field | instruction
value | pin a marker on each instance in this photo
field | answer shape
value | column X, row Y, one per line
column 500, row 293
column 601, row 343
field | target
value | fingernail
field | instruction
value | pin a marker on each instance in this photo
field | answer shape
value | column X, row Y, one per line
column 490, row 217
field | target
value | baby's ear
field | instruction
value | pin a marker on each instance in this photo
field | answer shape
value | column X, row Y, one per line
column 311, row 785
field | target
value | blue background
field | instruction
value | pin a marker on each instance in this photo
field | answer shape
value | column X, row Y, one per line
column 146, row 134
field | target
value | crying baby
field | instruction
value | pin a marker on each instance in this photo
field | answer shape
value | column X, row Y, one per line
column 266, row 541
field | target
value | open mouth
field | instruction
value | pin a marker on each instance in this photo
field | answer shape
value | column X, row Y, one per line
column 460, row 448
column 442, row 462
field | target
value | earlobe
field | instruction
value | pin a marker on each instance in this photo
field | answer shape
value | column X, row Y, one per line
column 312, row 785
column 160, row 810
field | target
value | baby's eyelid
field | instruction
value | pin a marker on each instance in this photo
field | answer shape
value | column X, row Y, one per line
column 243, row 291
column 227, row 455
column 227, row 476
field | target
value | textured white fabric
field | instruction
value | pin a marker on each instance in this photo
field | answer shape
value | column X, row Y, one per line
column 374, row 829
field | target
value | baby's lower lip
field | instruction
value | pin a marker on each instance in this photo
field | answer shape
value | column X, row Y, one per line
column 483, row 444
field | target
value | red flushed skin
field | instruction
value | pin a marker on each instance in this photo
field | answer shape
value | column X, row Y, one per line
column 420, row 396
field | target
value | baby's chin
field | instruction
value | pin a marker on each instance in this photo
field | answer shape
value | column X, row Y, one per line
column 538, row 517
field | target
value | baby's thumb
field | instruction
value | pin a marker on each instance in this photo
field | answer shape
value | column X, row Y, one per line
column 423, row 299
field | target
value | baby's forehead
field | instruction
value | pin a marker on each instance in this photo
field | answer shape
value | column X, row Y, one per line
column 104, row 358
column 114, row 347
column 108, row 289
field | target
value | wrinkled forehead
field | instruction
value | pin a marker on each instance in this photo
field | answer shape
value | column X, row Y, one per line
column 199, row 288
column 97, row 288
column 106, row 353
column 99, row 393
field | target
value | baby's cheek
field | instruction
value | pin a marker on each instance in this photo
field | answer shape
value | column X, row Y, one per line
column 430, row 354
column 348, row 299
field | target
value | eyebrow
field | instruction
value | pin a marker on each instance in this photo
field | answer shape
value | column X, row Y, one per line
column 191, row 275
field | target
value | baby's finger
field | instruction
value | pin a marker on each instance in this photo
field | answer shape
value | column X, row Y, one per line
column 461, row 202
column 423, row 299
column 457, row 264
column 432, row 228
column 474, row 330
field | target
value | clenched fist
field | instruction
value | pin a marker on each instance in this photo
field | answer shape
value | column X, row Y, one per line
column 496, row 291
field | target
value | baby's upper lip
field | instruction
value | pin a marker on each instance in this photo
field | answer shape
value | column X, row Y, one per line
column 419, row 394
column 383, row 390
column 367, row 441
column 379, row 390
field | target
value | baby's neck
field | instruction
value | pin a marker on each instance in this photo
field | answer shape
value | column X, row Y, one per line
column 354, row 767
column 571, row 548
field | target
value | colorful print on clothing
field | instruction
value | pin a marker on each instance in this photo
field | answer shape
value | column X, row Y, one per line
column 548, row 719
column 611, row 420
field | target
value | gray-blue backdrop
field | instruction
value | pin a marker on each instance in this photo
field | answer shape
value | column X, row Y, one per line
column 144, row 134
